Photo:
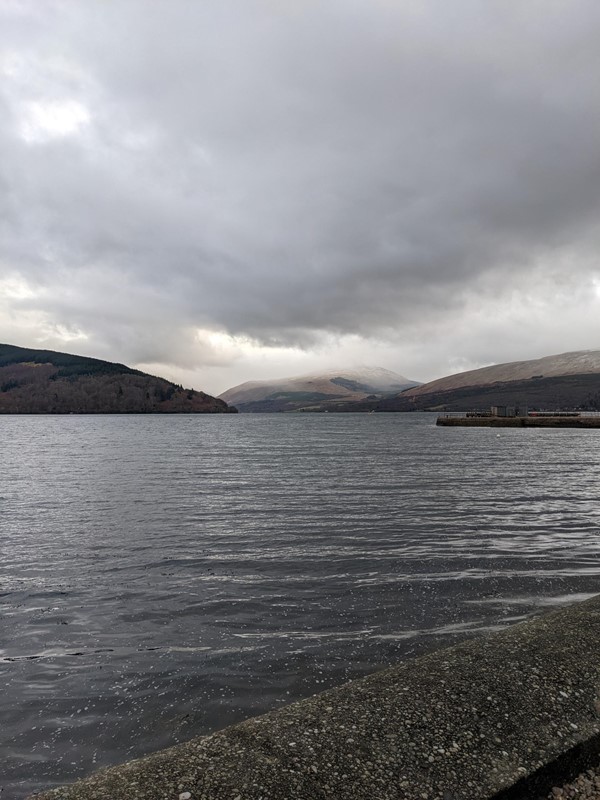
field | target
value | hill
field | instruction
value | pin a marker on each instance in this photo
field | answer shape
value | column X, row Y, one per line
column 581, row 362
column 316, row 392
column 565, row 381
column 47, row 382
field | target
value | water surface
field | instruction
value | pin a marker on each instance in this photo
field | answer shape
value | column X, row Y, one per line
column 164, row 576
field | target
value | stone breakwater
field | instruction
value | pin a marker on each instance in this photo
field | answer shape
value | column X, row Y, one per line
column 504, row 716
column 519, row 422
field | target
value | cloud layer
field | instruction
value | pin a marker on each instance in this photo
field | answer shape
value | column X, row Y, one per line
column 241, row 184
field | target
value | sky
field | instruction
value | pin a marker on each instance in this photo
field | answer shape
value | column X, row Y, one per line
column 229, row 190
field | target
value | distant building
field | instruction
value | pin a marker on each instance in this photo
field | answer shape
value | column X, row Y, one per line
column 504, row 411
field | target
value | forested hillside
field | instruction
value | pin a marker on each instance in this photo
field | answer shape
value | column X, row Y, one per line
column 48, row 382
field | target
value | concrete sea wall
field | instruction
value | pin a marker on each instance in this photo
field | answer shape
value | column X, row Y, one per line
column 519, row 422
column 496, row 717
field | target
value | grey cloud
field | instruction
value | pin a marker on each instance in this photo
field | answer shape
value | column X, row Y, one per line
column 283, row 170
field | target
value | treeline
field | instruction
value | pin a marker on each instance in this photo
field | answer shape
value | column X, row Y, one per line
column 104, row 394
column 68, row 364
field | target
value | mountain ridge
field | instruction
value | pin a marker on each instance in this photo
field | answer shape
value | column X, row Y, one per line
column 565, row 381
column 576, row 362
column 313, row 390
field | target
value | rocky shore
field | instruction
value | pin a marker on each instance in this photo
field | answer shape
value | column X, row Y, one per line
column 585, row 787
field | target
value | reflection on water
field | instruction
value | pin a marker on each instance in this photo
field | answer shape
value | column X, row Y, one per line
column 162, row 577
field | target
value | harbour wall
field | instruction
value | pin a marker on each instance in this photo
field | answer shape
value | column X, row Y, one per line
column 519, row 422
column 503, row 716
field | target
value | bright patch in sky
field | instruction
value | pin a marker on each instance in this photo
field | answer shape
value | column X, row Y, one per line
column 15, row 288
column 53, row 119
column 225, row 348
column 222, row 341
column 62, row 332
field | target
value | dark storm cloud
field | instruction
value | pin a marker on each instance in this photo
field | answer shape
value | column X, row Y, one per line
column 280, row 170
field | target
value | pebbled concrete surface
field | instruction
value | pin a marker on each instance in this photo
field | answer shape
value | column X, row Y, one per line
column 463, row 723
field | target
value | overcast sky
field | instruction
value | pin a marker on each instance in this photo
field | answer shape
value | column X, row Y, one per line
column 222, row 190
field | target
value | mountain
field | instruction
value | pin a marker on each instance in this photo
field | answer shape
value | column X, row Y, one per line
column 582, row 362
column 565, row 381
column 47, row 382
column 316, row 392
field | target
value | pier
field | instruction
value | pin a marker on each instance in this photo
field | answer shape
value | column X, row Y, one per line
column 530, row 421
